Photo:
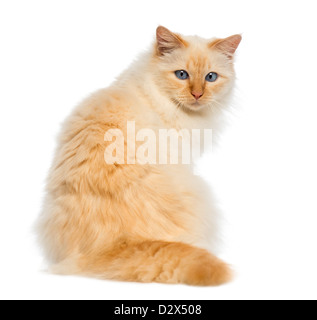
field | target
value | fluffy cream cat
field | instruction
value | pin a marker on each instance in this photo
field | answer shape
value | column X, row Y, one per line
column 136, row 222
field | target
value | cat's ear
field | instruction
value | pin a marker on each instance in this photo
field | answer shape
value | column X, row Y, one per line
column 167, row 41
column 228, row 46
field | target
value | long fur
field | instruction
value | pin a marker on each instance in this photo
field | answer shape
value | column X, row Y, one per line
column 139, row 222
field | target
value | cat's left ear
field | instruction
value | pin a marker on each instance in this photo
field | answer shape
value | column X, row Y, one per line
column 228, row 46
column 167, row 41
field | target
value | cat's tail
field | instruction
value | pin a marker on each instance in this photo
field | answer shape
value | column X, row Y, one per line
column 157, row 261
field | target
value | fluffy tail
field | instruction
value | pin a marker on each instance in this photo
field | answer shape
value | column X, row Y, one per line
column 157, row 261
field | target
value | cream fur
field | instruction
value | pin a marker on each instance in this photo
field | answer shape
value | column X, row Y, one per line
column 96, row 217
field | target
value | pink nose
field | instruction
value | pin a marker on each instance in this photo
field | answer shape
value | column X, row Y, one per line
column 197, row 95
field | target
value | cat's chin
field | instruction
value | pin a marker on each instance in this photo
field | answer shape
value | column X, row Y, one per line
column 191, row 106
column 196, row 106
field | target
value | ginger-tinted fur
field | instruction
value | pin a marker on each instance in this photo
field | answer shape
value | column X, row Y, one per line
column 147, row 223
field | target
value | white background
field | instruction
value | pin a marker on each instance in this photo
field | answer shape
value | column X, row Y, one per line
column 54, row 53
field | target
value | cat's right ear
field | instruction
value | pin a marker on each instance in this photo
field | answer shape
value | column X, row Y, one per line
column 167, row 41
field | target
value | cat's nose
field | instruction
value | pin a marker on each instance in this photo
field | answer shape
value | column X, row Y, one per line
column 197, row 94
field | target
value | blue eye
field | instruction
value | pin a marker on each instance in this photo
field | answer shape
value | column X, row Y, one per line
column 182, row 74
column 211, row 77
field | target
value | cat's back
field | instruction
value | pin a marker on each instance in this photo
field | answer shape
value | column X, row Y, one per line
column 78, row 175
column 105, row 109
column 108, row 105
column 79, row 159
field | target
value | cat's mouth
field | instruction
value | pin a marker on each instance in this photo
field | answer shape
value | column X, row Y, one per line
column 193, row 106
column 196, row 106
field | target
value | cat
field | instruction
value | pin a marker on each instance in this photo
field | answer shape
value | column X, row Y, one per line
column 140, row 222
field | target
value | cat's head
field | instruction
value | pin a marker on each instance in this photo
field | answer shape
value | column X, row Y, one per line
column 193, row 72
